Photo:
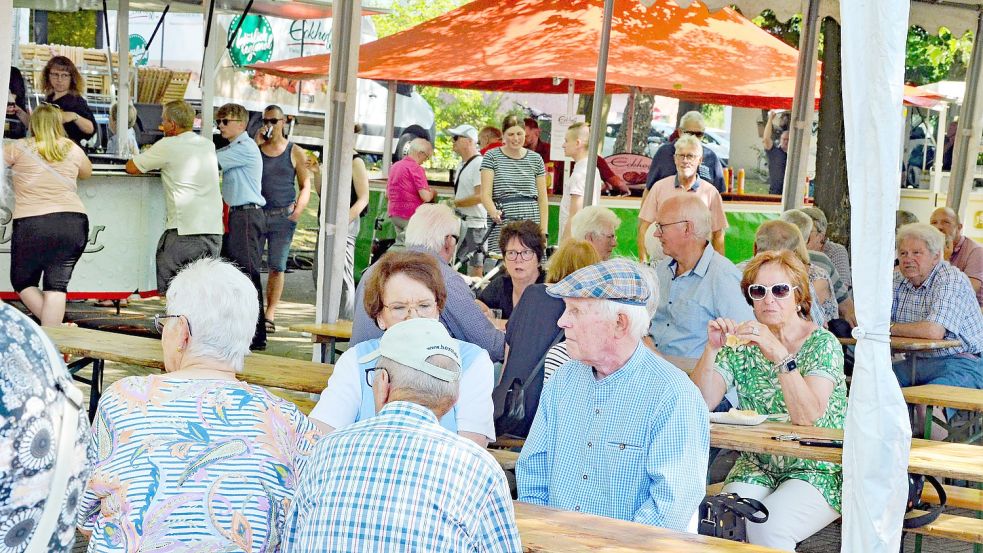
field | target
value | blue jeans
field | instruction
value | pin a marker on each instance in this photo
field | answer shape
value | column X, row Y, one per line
column 278, row 236
column 952, row 370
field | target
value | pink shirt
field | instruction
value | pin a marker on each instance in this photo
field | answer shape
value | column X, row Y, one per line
column 406, row 179
column 666, row 188
column 42, row 187
column 967, row 256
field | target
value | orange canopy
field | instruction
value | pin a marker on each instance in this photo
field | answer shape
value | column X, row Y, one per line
column 536, row 45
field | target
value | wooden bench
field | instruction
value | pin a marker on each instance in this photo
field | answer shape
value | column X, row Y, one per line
column 953, row 397
column 263, row 370
column 546, row 530
column 327, row 335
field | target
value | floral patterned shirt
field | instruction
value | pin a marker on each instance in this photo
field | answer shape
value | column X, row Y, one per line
column 193, row 465
column 758, row 388
column 31, row 410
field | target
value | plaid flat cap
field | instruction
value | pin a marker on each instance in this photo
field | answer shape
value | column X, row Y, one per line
column 614, row 279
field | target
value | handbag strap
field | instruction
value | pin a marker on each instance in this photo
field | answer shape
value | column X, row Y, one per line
column 62, row 469
column 748, row 508
column 65, row 180
column 542, row 360
column 933, row 512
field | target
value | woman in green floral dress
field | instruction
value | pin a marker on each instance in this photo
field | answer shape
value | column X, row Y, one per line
column 780, row 363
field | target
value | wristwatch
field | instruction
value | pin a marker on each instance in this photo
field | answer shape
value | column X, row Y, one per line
column 786, row 365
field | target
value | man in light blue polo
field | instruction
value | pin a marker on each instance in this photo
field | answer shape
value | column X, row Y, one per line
column 619, row 432
column 697, row 284
column 242, row 190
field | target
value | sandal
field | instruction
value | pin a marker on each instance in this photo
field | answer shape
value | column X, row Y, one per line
column 270, row 327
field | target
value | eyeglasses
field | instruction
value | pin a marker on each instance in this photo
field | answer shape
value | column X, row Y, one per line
column 159, row 322
column 660, row 227
column 54, row 75
column 526, row 255
column 224, row 121
column 272, row 121
column 422, row 309
column 368, row 381
column 687, row 157
column 605, row 236
column 698, row 134
column 780, row 291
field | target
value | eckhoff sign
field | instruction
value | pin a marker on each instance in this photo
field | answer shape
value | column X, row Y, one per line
column 632, row 168
column 126, row 218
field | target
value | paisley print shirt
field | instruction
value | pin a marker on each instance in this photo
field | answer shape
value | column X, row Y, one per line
column 32, row 373
column 758, row 388
column 193, row 465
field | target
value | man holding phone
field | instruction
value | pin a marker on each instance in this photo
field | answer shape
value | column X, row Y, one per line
column 286, row 187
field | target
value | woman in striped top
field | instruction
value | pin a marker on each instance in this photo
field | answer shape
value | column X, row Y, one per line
column 513, row 182
column 194, row 460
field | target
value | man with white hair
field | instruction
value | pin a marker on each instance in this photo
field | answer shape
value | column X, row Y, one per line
column 441, row 492
column 619, row 432
column 967, row 255
column 934, row 300
column 697, row 283
column 598, row 226
column 710, row 169
column 434, row 229
column 467, row 196
column 686, row 181
column 840, row 291
column 819, row 241
column 408, row 188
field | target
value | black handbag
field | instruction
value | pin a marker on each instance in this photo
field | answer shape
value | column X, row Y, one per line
column 726, row 516
column 513, row 414
column 916, row 483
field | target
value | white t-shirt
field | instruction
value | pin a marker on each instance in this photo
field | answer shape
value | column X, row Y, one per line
column 467, row 179
column 575, row 185
column 341, row 400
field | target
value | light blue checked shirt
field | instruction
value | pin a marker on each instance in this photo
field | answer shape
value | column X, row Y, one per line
column 401, row 482
column 947, row 298
column 631, row 446
column 242, row 172
column 689, row 301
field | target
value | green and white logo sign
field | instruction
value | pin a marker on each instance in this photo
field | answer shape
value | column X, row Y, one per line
column 138, row 49
column 254, row 42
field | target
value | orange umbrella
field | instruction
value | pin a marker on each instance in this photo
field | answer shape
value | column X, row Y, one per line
column 536, row 45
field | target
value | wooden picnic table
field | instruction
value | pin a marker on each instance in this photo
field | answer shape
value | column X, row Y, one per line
column 911, row 346
column 544, row 529
column 326, row 335
column 942, row 459
column 263, row 370
column 938, row 395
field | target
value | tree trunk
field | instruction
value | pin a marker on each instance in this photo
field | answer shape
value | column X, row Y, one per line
column 586, row 106
column 832, row 190
column 642, row 122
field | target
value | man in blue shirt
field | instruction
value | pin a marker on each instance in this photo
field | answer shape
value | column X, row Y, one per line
column 619, row 431
column 242, row 190
column 663, row 165
column 399, row 481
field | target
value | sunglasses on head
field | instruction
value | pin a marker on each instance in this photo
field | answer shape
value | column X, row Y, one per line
column 780, row 291
column 225, row 122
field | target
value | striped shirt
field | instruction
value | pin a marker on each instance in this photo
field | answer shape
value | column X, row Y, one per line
column 514, row 188
column 205, row 463
column 945, row 298
column 840, row 257
column 555, row 358
column 401, row 482
column 632, row 445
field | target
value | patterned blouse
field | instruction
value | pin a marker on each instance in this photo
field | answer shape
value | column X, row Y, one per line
column 31, row 371
column 193, row 465
column 758, row 388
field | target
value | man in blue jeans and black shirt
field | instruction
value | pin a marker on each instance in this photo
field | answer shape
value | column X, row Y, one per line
column 242, row 175
column 283, row 164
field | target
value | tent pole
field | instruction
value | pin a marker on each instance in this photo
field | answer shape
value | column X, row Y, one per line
column 123, row 88
column 595, row 119
column 387, row 142
column 803, row 108
column 7, row 36
column 208, row 67
column 630, row 120
column 339, row 143
column 939, row 147
column 969, row 129
column 571, row 111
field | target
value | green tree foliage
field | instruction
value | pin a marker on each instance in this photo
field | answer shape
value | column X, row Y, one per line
column 451, row 107
column 786, row 31
column 931, row 58
column 72, row 28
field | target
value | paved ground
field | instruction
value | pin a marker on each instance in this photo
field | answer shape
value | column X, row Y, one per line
column 297, row 307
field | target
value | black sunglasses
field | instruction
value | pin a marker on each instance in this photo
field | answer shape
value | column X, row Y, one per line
column 698, row 134
column 225, row 122
column 272, row 121
column 781, row 291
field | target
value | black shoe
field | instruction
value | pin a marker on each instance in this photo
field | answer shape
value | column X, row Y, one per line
column 260, row 346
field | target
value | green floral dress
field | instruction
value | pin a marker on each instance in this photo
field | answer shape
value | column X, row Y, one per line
column 758, row 388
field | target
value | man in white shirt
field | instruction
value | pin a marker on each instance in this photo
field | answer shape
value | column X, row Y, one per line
column 575, row 146
column 467, row 196
column 193, row 202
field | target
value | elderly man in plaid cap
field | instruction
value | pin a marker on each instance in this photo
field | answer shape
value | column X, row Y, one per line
column 619, row 432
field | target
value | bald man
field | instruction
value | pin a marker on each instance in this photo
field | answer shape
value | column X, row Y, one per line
column 967, row 255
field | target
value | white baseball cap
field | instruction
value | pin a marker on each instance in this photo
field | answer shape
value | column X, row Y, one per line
column 412, row 341
column 464, row 130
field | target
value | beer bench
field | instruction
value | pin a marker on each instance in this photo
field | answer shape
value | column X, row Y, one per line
column 327, row 335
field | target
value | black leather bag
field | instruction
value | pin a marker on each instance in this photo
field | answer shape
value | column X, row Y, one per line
column 513, row 411
column 726, row 516
column 916, row 483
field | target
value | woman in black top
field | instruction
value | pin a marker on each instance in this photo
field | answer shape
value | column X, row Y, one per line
column 523, row 245
column 64, row 87
column 18, row 113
